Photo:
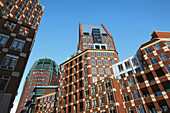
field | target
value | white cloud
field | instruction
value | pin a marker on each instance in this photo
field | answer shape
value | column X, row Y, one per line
column 13, row 110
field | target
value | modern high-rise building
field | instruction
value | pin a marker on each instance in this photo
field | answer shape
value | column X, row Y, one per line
column 44, row 72
column 19, row 21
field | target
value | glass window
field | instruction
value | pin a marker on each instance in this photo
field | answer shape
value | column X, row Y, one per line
column 49, row 98
column 87, row 92
column 100, row 87
column 87, row 102
column 33, row 22
column 110, row 98
column 153, row 60
column 102, row 100
column 111, row 46
column 90, row 46
column 131, row 82
column 99, row 62
column 104, row 54
column 92, row 54
column 3, row 40
column 93, row 62
column 163, row 56
column 9, row 5
column 89, row 39
column 148, row 50
column 31, row 8
column 52, row 104
column 134, row 61
column 94, row 70
column 85, row 45
column 17, row 14
column 112, row 110
column 94, row 102
column 3, row 12
column 93, row 90
column 109, row 40
column 48, row 105
column 103, row 111
column 112, row 62
column 127, row 64
column 138, row 70
column 126, row 97
column 140, row 109
column 122, row 84
column 4, row 82
column 22, row 7
column 98, row 54
column 111, row 55
column 120, row 67
column 94, row 79
column 101, row 71
column 34, row 2
column 17, row 44
column 135, row 95
column 86, row 81
column 130, row 73
column 28, row 15
column 9, row 61
column 107, row 85
column 167, row 43
column 106, row 63
column 104, row 39
column 85, row 72
column 36, row 15
column 25, row 1
column 168, row 68
column 157, row 46
column 108, row 71
column 84, row 38
column 130, row 110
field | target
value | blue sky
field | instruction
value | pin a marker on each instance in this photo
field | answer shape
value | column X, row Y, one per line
column 130, row 22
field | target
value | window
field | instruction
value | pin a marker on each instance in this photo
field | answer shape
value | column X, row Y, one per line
column 140, row 109
column 122, row 84
column 126, row 97
column 109, row 40
column 36, row 15
column 127, row 64
column 93, row 90
column 134, row 61
column 85, row 45
column 168, row 68
column 145, row 92
column 98, row 54
column 111, row 46
column 94, row 79
column 130, row 73
column 167, row 43
column 163, row 56
column 49, row 98
column 34, row 2
column 103, row 111
column 104, row 54
column 87, row 92
column 44, row 106
column 130, row 110
column 138, row 70
column 90, row 46
column 25, row 1
column 17, row 44
column 4, row 82
column 108, row 71
column 84, row 63
column 157, row 92
column 93, row 62
column 120, row 67
column 111, row 55
column 33, row 22
column 28, row 15
column 107, row 85
column 87, row 104
column 85, row 72
column 102, row 100
column 110, row 98
column 86, row 81
column 3, row 40
column 52, row 104
column 157, row 46
column 48, row 105
column 92, row 54
column 31, row 8
column 21, row 6
column 159, row 72
column 94, row 102
column 148, row 50
column 106, row 63
column 9, row 62
column 84, row 38
column 135, row 94
column 131, row 82
column 60, row 92
column 101, row 71
column 99, row 62
column 153, row 60
column 2, row 11
column 112, row 110
column 140, row 79
column 94, row 70
column 45, row 99
column 17, row 14
column 41, row 100
column 122, row 75
column 9, row 5
column 89, row 39
column 101, row 78
column 100, row 87
column 104, row 39
column 112, row 62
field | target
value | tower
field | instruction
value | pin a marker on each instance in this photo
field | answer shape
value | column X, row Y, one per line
column 44, row 72
column 19, row 21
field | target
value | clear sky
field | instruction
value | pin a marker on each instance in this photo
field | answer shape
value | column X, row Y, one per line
column 130, row 22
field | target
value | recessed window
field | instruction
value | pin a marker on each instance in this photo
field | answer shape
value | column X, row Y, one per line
column 9, row 5
column 31, row 8
column 94, row 79
column 111, row 46
column 90, row 46
column 89, row 39
column 98, row 54
column 97, row 46
column 167, row 43
column 153, row 60
column 22, row 7
column 163, row 56
column 84, row 38
column 138, row 70
column 94, row 70
column 120, row 67
column 104, row 54
column 99, row 62
column 94, row 102
column 131, row 82
column 93, row 62
column 87, row 92
column 156, row 90
column 36, row 15
column 3, row 40
column 140, row 109
column 134, row 61
column 4, row 82
column 126, row 97
column 87, row 103
column 157, row 46
column 127, row 64
column 17, row 14
column 168, row 68
column 148, row 50
column 135, row 95
column 93, row 90
column 106, row 62
column 130, row 73
column 109, row 40
column 85, row 45
column 102, row 100
column 101, row 72
column 25, row 1
column 130, row 110
column 9, row 62
column 108, row 71
column 92, row 54
column 2, row 11
column 111, row 55
column 17, row 44
column 107, row 85
column 100, row 87
column 86, row 81
column 104, row 39
column 122, row 85
column 112, row 62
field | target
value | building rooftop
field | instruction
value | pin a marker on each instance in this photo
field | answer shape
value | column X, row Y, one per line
column 160, row 34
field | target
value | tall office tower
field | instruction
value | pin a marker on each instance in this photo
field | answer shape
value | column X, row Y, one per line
column 44, row 72
column 19, row 21
column 87, row 83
